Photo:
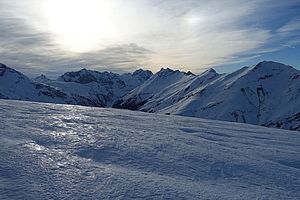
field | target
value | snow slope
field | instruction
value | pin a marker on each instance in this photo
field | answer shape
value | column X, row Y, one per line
column 265, row 94
column 102, row 87
column 53, row 151
column 15, row 85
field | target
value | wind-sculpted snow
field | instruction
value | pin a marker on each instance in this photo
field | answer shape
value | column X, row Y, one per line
column 53, row 151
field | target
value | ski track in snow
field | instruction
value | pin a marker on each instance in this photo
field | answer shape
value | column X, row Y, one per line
column 53, row 151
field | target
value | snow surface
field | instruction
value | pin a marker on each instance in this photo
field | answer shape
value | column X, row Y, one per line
column 51, row 151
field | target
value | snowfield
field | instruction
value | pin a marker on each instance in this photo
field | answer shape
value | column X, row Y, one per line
column 51, row 151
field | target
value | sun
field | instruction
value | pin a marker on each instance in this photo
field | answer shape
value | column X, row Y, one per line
column 194, row 19
column 79, row 25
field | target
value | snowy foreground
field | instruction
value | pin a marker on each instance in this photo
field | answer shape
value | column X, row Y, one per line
column 53, row 151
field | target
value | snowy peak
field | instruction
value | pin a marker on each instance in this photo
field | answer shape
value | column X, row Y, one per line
column 265, row 94
column 268, row 69
column 109, row 79
column 144, row 74
column 103, row 88
column 261, row 73
column 42, row 79
column 11, row 75
column 270, row 65
column 167, row 76
column 136, row 78
column 85, row 76
column 158, row 87
column 210, row 71
column 164, row 72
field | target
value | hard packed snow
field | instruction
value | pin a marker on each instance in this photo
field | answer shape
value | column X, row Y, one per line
column 51, row 151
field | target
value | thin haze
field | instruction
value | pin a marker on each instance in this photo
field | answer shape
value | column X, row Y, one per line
column 55, row 36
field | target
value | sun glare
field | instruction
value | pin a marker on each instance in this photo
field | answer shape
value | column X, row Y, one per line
column 79, row 25
column 192, row 20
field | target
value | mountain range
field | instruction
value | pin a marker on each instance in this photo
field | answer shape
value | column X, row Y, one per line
column 265, row 94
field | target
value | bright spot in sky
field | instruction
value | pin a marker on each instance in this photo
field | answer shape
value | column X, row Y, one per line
column 192, row 20
column 80, row 24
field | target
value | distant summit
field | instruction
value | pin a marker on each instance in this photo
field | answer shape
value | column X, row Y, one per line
column 42, row 79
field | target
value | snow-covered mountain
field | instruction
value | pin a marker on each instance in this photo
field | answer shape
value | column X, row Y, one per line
column 15, row 85
column 265, row 94
column 157, row 86
column 42, row 79
column 51, row 151
column 101, row 87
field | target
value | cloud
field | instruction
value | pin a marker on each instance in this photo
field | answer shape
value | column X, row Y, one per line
column 291, row 27
column 294, row 42
column 186, row 34
column 33, row 53
column 220, row 32
column 290, row 33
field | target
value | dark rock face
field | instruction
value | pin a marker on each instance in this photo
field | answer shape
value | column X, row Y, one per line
column 2, row 69
column 2, row 65
column 79, row 77
column 143, row 74
column 130, row 104
column 2, row 96
column 85, row 76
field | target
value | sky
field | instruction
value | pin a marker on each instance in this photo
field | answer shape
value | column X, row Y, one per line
column 55, row 36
